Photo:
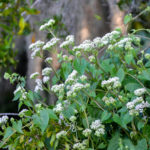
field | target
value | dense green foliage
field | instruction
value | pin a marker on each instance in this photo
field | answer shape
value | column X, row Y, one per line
column 12, row 25
column 103, row 102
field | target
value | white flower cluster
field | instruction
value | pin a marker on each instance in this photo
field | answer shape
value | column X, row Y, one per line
column 61, row 134
column 98, row 127
column 126, row 42
column 139, row 92
column 22, row 112
column 86, row 46
column 73, row 86
column 72, row 77
column 81, row 146
column 111, row 83
column 73, row 118
column 87, row 132
column 58, row 108
column 46, row 71
column 92, row 58
column 108, row 100
column 36, row 48
column 83, row 78
column 34, row 75
column 48, row 24
column 137, row 106
column 23, row 92
column 3, row 120
column 48, row 60
column 110, row 37
column 38, row 86
column 69, row 41
column 51, row 43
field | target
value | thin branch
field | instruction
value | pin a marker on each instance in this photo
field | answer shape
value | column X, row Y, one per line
column 9, row 114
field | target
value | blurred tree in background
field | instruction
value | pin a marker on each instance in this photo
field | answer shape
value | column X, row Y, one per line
column 12, row 24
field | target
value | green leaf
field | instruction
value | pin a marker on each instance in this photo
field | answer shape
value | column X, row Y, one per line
column 127, row 19
column 22, row 25
column 9, row 131
column 128, row 58
column 114, row 142
column 145, row 75
column 140, row 125
column 18, row 126
column 132, row 86
column 52, row 115
column 105, row 116
column 121, row 74
column 127, row 142
column 97, row 17
column 142, row 145
column 42, row 120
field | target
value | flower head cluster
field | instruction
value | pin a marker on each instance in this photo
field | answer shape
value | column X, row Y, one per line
column 124, row 43
column 147, row 56
column 73, row 118
column 38, row 86
column 46, row 71
column 98, row 127
column 22, row 112
column 137, row 106
column 51, row 43
column 34, row 75
column 86, row 46
column 139, row 92
column 51, row 22
column 69, row 41
column 22, row 91
column 87, row 132
column 81, row 146
column 58, row 108
column 110, row 37
column 111, row 83
column 91, row 58
column 72, row 77
column 3, row 120
column 61, row 134
column 36, row 48
column 48, row 60
column 108, row 100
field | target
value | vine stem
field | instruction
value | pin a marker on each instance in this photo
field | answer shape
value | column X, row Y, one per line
column 138, row 82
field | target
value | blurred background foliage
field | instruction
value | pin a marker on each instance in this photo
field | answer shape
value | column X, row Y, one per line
column 12, row 24
column 135, row 7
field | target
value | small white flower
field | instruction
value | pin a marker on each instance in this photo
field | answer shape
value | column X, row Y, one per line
column 61, row 134
column 46, row 71
column 100, row 132
column 51, row 22
column 59, row 108
column 22, row 112
column 73, row 118
column 71, row 78
column 57, row 88
column 96, row 124
column 51, row 43
column 38, row 86
column 83, row 78
column 147, row 56
column 3, row 120
column 34, row 75
column 46, row 79
column 87, row 132
column 48, row 60
column 139, row 92
column 91, row 58
column 37, row 44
